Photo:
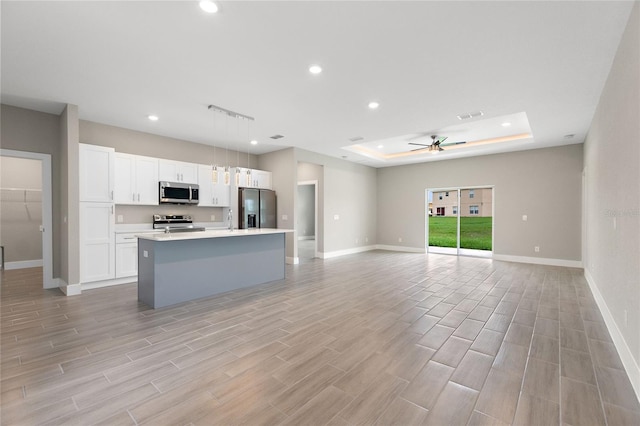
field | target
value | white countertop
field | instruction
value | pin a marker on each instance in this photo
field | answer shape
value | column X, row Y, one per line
column 219, row 233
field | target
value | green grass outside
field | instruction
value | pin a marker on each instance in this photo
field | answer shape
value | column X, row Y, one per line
column 475, row 232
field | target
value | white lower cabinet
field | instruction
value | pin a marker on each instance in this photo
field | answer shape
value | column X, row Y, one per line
column 126, row 255
column 97, row 242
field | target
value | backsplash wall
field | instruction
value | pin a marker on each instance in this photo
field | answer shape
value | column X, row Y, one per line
column 144, row 214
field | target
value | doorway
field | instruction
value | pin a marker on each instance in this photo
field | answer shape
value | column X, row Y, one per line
column 460, row 221
column 307, row 223
column 29, row 200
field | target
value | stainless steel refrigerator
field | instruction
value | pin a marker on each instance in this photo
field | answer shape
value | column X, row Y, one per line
column 257, row 208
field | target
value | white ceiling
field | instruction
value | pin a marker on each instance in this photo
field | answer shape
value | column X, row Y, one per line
column 425, row 62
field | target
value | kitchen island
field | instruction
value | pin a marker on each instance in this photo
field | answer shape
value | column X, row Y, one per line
column 178, row 267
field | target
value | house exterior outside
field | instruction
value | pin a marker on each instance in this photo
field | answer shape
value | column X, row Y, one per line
column 477, row 202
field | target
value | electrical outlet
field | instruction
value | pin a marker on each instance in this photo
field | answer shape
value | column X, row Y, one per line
column 285, row 217
column 615, row 224
column 213, row 218
column 536, row 249
column 399, row 239
column 120, row 218
column 366, row 239
column 336, row 217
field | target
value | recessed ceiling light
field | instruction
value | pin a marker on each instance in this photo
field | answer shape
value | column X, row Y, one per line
column 380, row 146
column 254, row 142
column 569, row 136
column 153, row 117
column 315, row 69
column 506, row 124
column 373, row 105
column 208, row 6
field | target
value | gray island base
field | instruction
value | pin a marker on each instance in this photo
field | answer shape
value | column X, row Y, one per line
column 174, row 269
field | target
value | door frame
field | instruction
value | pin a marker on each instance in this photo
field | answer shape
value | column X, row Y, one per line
column 315, row 213
column 47, row 211
column 462, row 251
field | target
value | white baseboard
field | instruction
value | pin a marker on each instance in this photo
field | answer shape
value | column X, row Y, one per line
column 109, row 283
column 337, row 253
column 292, row 260
column 306, row 237
column 22, row 264
column 538, row 260
column 628, row 361
column 70, row 289
column 401, row 248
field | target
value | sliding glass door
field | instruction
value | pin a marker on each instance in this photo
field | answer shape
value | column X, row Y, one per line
column 460, row 221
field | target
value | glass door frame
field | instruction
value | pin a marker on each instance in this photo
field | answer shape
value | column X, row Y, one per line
column 458, row 251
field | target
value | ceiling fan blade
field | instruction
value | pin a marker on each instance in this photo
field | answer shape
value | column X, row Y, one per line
column 419, row 144
column 453, row 143
column 420, row 149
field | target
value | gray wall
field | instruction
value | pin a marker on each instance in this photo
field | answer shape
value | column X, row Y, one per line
column 32, row 131
column 612, row 194
column 349, row 191
column 283, row 167
column 21, row 208
column 140, row 143
column 306, row 226
column 70, row 196
column 345, row 189
column 544, row 184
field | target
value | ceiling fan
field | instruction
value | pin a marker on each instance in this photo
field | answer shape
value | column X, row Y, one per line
column 436, row 144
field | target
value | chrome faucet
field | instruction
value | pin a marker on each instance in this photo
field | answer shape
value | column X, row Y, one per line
column 230, row 219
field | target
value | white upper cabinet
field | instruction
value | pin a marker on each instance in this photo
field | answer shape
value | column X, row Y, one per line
column 206, row 185
column 221, row 187
column 261, row 179
column 178, row 171
column 252, row 178
column 241, row 176
column 96, row 173
column 136, row 180
column 213, row 190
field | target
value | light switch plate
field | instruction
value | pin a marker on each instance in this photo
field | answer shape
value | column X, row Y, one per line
column 336, row 217
column 524, row 217
column 120, row 218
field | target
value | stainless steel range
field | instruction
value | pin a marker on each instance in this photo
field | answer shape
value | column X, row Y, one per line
column 175, row 223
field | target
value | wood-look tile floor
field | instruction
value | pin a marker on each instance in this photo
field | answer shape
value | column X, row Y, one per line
column 376, row 338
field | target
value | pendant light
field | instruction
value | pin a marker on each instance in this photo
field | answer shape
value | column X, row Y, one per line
column 237, row 116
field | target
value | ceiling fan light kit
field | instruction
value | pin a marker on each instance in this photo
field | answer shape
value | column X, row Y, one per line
column 436, row 144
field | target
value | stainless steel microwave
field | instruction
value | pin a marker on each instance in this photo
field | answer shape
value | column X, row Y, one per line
column 179, row 193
